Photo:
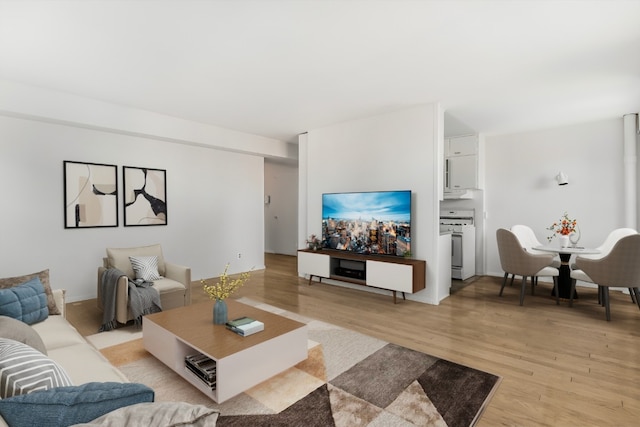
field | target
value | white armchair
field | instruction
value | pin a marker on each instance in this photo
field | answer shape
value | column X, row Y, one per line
column 174, row 287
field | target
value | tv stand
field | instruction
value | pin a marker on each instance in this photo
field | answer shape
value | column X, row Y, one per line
column 379, row 271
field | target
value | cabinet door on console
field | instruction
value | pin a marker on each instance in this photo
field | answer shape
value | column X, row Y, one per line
column 314, row 264
column 388, row 275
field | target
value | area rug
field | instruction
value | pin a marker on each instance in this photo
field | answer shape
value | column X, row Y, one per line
column 349, row 379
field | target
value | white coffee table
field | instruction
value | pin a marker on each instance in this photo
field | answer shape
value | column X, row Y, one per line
column 242, row 362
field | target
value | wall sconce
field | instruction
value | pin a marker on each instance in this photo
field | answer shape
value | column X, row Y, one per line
column 562, row 178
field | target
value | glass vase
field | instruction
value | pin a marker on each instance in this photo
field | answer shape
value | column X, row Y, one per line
column 575, row 237
column 220, row 312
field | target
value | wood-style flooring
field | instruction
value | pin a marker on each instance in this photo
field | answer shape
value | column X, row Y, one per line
column 560, row 366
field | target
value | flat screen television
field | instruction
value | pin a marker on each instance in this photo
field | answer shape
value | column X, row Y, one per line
column 373, row 222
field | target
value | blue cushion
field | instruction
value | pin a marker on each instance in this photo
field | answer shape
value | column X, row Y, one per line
column 66, row 406
column 26, row 302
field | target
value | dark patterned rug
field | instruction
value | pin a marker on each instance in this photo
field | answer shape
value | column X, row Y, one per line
column 392, row 387
column 349, row 379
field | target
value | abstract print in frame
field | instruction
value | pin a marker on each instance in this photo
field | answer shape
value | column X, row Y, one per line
column 145, row 196
column 90, row 195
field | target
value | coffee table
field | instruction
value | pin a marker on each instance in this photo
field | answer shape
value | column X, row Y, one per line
column 241, row 362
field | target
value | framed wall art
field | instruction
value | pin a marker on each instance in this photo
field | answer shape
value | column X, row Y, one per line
column 90, row 195
column 145, row 196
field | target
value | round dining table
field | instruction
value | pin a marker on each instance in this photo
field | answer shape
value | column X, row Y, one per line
column 565, row 252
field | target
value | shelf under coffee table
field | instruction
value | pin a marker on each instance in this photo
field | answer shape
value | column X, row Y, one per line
column 241, row 362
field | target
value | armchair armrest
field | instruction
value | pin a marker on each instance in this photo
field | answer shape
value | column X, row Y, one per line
column 122, row 296
column 181, row 274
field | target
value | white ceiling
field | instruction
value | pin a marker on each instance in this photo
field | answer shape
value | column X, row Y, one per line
column 280, row 68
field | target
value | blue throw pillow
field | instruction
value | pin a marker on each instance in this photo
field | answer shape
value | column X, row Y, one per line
column 26, row 302
column 66, row 406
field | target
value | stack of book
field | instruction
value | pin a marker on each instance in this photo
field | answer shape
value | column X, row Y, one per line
column 245, row 326
column 203, row 367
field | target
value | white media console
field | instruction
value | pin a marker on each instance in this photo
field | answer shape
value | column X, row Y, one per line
column 385, row 272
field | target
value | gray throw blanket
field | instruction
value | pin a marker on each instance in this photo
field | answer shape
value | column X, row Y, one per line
column 143, row 299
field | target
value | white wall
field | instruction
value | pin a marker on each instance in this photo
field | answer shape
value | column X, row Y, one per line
column 394, row 151
column 281, row 212
column 214, row 197
column 521, row 188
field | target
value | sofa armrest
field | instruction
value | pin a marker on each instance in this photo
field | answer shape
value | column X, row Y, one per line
column 59, row 295
column 181, row 274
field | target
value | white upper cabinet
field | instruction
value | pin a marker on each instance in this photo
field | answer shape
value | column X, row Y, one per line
column 461, row 163
column 461, row 146
column 462, row 173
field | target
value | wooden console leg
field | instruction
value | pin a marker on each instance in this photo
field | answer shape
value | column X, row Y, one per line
column 311, row 278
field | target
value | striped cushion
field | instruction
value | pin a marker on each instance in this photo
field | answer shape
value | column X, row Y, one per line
column 24, row 369
column 145, row 267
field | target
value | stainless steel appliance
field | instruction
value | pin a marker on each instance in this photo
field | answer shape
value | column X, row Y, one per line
column 463, row 241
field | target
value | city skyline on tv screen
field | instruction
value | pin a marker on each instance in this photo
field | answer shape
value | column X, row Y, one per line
column 368, row 222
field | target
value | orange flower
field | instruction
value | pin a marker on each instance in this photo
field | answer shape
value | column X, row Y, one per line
column 564, row 227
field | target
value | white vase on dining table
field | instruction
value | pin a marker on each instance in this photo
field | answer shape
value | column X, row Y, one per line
column 563, row 241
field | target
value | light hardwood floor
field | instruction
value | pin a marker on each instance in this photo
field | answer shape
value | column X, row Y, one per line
column 560, row 366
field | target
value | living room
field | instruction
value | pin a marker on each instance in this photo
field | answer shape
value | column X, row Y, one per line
column 216, row 178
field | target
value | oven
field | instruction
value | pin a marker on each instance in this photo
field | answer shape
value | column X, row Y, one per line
column 463, row 237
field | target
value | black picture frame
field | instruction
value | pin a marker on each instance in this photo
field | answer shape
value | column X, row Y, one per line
column 90, row 195
column 145, row 196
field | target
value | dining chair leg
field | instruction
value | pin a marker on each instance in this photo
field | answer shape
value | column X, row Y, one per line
column 572, row 291
column 600, row 297
column 633, row 295
column 504, row 282
column 513, row 276
column 534, row 283
column 605, row 297
column 555, row 289
column 636, row 292
column 524, row 284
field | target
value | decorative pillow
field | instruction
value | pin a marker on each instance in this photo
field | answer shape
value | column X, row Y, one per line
column 21, row 332
column 43, row 275
column 66, row 406
column 119, row 258
column 166, row 414
column 145, row 267
column 24, row 369
column 26, row 302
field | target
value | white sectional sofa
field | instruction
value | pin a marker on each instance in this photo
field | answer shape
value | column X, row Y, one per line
column 64, row 344
column 81, row 360
column 79, row 382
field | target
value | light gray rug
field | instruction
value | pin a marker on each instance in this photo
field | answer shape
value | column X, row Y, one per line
column 349, row 379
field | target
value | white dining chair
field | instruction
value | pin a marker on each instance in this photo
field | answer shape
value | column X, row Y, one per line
column 515, row 260
column 527, row 238
column 618, row 268
column 604, row 250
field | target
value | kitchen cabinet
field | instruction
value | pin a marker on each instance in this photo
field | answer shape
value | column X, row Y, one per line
column 461, row 173
column 461, row 163
column 461, row 146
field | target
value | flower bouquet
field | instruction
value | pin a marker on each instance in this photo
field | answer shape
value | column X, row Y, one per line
column 226, row 286
column 221, row 290
column 564, row 227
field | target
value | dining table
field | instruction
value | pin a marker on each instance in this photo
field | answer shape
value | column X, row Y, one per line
column 565, row 253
